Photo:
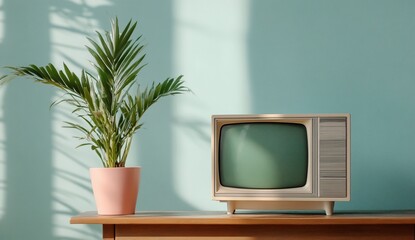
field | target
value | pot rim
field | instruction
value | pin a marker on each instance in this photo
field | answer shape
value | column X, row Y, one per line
column 132, row 167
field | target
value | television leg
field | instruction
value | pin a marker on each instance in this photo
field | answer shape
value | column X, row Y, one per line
column 231, row 208
column 328, row 207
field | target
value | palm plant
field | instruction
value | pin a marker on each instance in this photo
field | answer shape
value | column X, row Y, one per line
column 110, row 113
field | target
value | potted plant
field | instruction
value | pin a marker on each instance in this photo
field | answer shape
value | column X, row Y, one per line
column 109, row 113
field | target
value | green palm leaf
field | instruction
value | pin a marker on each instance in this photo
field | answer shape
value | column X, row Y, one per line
column 110, row 113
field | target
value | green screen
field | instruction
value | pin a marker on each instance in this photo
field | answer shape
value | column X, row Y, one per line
column 263, row 155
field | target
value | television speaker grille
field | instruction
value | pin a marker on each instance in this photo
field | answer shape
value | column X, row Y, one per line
column 333, row 157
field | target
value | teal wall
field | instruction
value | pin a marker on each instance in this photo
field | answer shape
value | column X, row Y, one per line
column 237, row 56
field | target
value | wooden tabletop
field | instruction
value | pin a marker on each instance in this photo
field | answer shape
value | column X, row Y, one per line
column 213, row 218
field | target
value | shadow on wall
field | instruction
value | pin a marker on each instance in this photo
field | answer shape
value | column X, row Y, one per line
column 28, row 165
column 45, row 182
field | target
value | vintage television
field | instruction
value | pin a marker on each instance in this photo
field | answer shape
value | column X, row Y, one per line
column 281, row 161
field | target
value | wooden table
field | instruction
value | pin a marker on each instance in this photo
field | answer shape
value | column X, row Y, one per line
column 217, row 225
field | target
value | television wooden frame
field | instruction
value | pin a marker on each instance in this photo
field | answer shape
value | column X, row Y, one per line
column 328, row 178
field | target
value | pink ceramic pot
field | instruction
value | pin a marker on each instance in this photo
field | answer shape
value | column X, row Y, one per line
column 115, row 189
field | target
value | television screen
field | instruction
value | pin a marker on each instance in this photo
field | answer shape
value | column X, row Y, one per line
column 263, row 155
